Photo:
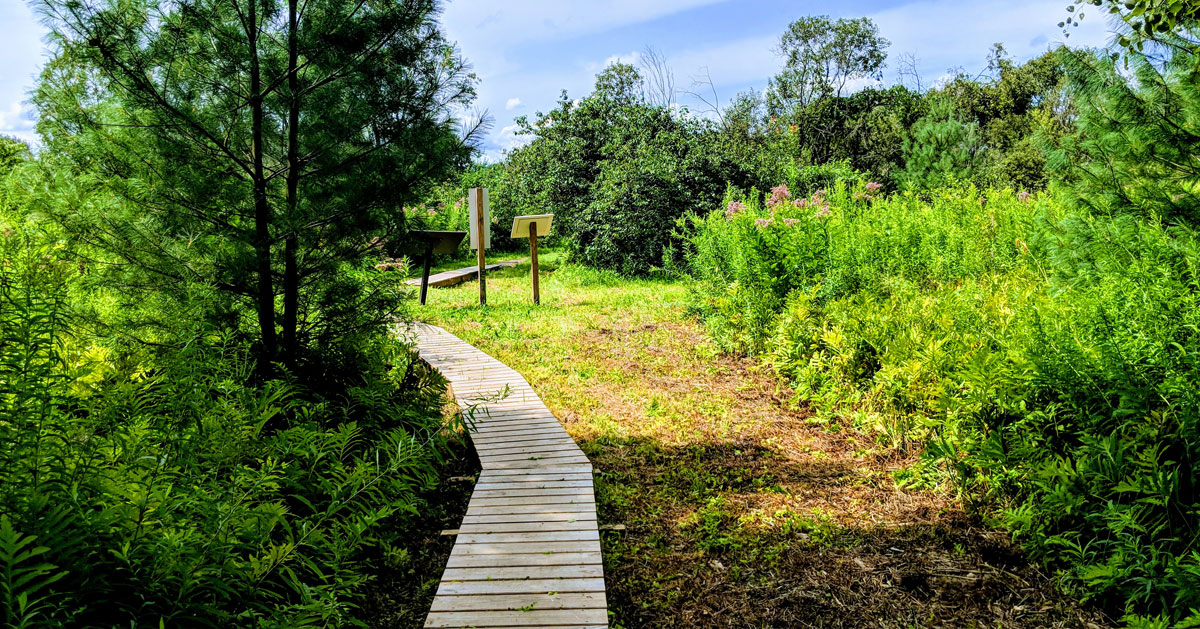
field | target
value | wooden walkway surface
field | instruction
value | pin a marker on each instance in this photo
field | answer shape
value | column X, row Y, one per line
column 458, row 276
column 528, row 550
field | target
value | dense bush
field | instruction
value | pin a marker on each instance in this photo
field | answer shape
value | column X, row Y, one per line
column 1045, row 360
column 161, row 488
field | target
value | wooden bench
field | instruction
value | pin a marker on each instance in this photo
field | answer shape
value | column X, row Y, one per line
column 528, row 550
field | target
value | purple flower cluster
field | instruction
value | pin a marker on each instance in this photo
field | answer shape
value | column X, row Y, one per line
column 790, row 221
column 872, row 187
column 763, row 223
column 779, row 195
column 1023, row 196
column 735, row 207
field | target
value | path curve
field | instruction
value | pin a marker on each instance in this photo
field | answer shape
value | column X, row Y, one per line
column 528, row 550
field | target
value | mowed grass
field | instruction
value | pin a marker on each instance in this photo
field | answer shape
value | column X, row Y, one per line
column 740, row 509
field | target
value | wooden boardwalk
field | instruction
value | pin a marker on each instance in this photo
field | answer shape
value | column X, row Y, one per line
column 528, row 550
column 458, row 276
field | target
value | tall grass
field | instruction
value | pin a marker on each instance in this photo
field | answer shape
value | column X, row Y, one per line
column 1046, row 363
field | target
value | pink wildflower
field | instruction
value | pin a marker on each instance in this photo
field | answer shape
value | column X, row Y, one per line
column 790, row 221
column 823, row 212
column 779, row 194
column 1023, row 196
column 874, row 187
column 762, row 223
column 802, row 203
column 734, row 208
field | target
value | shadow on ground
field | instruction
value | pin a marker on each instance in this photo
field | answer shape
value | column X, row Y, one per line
column 715, row 539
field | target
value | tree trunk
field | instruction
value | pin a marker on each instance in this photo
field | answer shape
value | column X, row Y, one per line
column 262, row 209
column 291, row 280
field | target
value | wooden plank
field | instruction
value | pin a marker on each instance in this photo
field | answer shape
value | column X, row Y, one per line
column 533, row 491
column 520, row 602
column 536, row 516
column 558, row 482
column 532, row 618
column 554, row 536
column 573, row 499
column 536, row 458
column 549, row 446
column 579, row 507
column 528, row 527
column 534, row 559
column 454, row 277
column 584, row 468
column 520, row 586
column 523, row 572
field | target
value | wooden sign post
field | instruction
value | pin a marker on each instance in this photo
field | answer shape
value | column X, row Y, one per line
column 481, row 234
column 529, row 227
column 537, row 297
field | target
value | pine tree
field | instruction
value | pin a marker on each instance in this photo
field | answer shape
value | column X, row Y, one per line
column 234, row 159
column 1135, row 149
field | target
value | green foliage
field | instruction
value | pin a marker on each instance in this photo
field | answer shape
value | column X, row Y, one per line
column 941, row 149
column 175, row 493
column 232, row 160
column 983, row 129
column 1043, row 361
column 1134, row 150
column 615, row 172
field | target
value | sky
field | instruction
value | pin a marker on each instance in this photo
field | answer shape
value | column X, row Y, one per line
column 526, row 52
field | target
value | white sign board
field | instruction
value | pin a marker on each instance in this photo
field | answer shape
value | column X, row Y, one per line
column 473, row 198
column 521, row 225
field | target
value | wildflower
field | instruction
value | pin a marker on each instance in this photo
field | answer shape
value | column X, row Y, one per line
column 1023, row 196
column 431, row 211
column 874, row 186
column 823, row 212
column 763, row 223
column 734, row 208
column 790, row 221
column 779, row 194
column 802, row 203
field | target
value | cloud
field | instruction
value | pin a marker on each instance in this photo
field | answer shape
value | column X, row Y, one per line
column 512, row 104
column 19, row 121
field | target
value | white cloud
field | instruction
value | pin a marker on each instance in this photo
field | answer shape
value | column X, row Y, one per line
column 18, row 121
column 512, row 104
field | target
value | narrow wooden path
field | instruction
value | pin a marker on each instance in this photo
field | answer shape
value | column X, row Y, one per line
column 454, row 277
column 528, row 550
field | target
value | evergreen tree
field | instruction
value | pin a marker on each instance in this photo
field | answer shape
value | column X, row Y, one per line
column 236, row 157
column 1134, row 150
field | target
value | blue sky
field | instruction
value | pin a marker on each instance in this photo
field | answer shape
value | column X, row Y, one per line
column 526, row 51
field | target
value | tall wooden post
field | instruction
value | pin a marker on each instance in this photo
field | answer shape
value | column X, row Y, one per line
column 537, row 298
column 482, row 241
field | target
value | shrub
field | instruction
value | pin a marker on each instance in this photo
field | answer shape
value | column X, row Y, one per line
column 1044, row 361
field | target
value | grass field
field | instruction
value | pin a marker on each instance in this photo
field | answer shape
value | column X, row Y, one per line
column 739, row 509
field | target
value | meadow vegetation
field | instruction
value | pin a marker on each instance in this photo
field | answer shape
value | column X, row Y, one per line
column 997, row 275
column 895, row 353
